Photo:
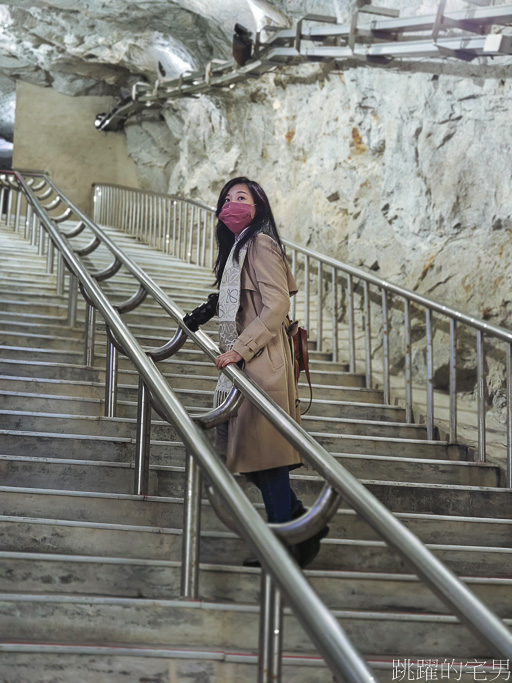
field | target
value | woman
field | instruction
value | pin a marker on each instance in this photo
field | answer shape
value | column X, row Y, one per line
column 255, row 285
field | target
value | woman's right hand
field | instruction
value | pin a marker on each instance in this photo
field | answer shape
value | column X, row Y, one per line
column 227, row 358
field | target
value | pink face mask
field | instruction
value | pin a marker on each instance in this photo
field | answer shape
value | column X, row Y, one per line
column 236, row 216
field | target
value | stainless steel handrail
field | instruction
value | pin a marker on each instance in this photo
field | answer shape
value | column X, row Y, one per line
column 436, row 575
column 114, row 205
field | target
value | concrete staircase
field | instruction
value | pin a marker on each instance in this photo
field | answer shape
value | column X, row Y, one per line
column 89, row 573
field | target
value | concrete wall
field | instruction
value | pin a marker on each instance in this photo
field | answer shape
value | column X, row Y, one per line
column 56, row 133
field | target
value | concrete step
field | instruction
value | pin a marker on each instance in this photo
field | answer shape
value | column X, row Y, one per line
column 121, row 448
column 48, row 386
column 168, row 512
column 90, row 664
column 40, row 354
column 160, row 579
column 32, row 535
column 41, row 405
column 99, row 620
column 37, row 340
column 59, row 328
column 415, row 497
column 63, row 472
column 13, row 305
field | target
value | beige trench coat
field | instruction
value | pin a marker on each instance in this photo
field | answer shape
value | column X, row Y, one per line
column 265, row 289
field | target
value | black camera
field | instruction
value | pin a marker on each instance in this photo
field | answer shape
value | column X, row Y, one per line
column 202, row 313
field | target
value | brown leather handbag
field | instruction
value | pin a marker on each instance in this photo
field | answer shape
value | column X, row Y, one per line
column 299, row 336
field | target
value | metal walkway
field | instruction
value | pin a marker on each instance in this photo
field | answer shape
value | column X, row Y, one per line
column 374, row 37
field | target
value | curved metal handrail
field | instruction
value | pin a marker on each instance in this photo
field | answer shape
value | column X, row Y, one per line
column 435, row 574
column 89, row 248
column 134, row 301
column 316, row 619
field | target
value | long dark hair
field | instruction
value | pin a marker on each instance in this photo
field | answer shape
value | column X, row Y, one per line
column 263, row 221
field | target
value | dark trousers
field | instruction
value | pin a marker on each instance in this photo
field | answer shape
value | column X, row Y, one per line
column 278, row 496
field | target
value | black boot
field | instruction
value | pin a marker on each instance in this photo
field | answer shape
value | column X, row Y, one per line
column 306, row 551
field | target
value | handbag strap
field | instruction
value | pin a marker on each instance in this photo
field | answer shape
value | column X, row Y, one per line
column 304, row 358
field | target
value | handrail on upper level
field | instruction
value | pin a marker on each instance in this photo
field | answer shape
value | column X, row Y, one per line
column 436, row 575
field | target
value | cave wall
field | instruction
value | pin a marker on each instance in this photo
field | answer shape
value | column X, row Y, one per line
column 56, row 133
column 402, row 173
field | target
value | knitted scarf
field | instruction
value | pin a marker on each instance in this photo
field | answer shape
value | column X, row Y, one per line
column 229, row 303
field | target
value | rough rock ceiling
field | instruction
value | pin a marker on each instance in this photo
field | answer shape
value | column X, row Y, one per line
column 102, row 46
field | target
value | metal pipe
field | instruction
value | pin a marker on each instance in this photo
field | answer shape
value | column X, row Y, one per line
column 90, row 333
column 293, row 310
column 28, row 221
column 306, row 293
column 143, row 440
column 198, row 237
column 60, row 275
column 50, row 258
column 408, row 362
column 204, row 236
column 191, row 530
column 228, row 408
column 319, row 332
column 72, row 301
column 351, row 329
column 33, row 231
column 190, row 233
column 17, row 212
column 334, row 284
column 509, row 415
column 169, row 348
column 111, row 380
column 41, row 240
column 9, row 207
column 430, row 375
column 453, row 381
column 481, row 387
column 385, row 347
column 177, row 251
column 368, row 334
column 212, row 239
column 270, row 631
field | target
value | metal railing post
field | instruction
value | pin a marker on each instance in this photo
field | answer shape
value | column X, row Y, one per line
column 334, row 280
column 430, row 375
column 509, row 415
column 368, row 334
column 270, row 631
column 143, row 440
column 28, row 220
column 385, row 347
column 72, row 301
column 351, row 329
column 481, row 395
column 408, row 362
column 17, row 212
column 191, row 530
column 90, row 332
column 50, row 257
column 9, row 207
column 306, row 293
column 60, row 275
column 111, row 380
column 319, row 331
column 453, row 381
